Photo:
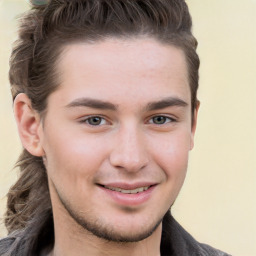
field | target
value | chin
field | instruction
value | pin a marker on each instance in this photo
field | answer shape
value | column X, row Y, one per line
column 117, row 233
column 125, row 227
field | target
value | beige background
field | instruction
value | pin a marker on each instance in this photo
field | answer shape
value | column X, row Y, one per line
column 218, row 202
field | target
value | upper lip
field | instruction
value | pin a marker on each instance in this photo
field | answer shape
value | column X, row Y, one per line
column 128, row 186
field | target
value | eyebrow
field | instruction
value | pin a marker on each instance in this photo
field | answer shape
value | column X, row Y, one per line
column 165, row 103
column 99, row 104
column 92, row 103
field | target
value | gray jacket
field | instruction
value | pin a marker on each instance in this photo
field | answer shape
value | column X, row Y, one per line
column 175, row 242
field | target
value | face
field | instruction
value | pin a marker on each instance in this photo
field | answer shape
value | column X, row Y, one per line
column 117, row 135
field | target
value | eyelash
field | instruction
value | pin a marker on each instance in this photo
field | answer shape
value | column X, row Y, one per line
column 171, row 119
column 150, row 121
column 86, row 120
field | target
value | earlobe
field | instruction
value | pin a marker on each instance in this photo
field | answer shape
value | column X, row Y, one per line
column 28, row 122
column 194, row 124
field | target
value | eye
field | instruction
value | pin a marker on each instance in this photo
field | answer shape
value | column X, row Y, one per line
column 161, row 120
column 94, row 120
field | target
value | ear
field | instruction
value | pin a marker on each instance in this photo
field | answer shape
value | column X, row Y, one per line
column 194, row 124
column 28, row 122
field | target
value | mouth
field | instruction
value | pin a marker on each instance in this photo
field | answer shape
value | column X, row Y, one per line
column 129, row 195
column 128, row 191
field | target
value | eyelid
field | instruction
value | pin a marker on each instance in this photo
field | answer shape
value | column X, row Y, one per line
column 171, row 118
column 84, row 120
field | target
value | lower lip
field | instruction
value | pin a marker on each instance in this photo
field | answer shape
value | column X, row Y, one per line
column 129, row 199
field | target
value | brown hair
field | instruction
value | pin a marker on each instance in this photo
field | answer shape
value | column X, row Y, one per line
column 44, row 31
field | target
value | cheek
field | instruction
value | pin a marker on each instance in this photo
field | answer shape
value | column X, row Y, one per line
column 173, row 161
column 172, row 155
column 70, row 159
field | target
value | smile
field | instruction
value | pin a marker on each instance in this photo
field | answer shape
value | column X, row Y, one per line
column 129, row 195
column 128, row 191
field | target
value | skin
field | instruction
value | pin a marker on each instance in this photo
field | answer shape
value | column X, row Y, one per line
column 142, row 135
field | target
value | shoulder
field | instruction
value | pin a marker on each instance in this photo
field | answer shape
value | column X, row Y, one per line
column 182, row 243
column 206, row 250
column 19, row 243
column 7, row 244
column 12, row 244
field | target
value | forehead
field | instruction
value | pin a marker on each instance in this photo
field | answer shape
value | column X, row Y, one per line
column 115, row 67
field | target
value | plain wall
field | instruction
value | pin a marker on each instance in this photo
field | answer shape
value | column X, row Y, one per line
column 217, row 204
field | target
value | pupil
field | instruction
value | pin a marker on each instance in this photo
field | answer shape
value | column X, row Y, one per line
column 95, row 120
column 159, row 120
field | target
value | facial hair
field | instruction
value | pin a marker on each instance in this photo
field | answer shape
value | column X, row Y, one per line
column 103, row 231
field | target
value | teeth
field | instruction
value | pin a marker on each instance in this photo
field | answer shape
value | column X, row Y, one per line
column 132, row 191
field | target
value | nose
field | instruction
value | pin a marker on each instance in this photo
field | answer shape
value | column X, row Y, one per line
column 129, row 152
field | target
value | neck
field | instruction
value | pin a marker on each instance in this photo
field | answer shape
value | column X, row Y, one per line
column 73, row 240
column 71, row 243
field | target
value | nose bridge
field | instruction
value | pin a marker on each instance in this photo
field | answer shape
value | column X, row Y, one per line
column 130, row 151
